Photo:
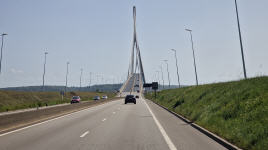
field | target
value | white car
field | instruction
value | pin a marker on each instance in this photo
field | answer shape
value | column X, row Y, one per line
column 104, row 97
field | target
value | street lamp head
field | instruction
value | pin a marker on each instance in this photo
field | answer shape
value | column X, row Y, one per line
column 188, row 30
column 3, row 34
column 68, row 62
column 46, row 53
column 173, row 50
column 165, row 60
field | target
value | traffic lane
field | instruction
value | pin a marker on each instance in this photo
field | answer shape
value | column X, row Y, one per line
column 183, row 135
column 132, row 128
column 59, row 133
column 17, row 120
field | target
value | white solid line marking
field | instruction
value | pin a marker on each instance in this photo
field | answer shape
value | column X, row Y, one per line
column 104, row 119
column 84, row 134
column 162, row 130
column 50, row 120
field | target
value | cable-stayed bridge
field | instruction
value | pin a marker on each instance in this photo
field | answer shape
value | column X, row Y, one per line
column 107, row 124
column 136, row 77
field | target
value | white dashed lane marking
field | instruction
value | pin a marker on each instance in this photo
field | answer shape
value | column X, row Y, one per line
column 84, row 134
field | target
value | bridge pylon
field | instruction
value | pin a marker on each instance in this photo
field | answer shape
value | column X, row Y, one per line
column 136, row 76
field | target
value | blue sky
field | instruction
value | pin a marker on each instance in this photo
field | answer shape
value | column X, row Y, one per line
column 96, row 35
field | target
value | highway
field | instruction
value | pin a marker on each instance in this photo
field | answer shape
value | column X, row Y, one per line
column 111, row 126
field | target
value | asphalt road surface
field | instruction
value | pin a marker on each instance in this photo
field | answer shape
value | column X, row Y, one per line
column 111, row 126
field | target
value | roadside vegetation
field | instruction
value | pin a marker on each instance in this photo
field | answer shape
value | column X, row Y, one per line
column 236, row 111
column 14, row 100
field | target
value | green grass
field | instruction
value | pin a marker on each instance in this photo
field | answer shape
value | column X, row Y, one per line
column 236, row 111
column 13, row 100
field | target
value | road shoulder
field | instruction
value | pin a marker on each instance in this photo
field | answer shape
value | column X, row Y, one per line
column 183, row 133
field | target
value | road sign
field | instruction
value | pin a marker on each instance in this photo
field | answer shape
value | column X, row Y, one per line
column 155, row 85
column 147, row 85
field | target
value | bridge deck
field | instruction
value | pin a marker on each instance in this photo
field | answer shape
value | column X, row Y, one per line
column 133, row 82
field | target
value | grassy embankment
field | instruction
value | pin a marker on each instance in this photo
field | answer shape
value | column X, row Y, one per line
column 12, row 100
column 236, row 111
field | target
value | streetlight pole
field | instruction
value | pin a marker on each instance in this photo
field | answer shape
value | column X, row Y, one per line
column 67, row 72
column 3, row 34
column 162, row 76
column 81, row 79
column 175, row 54
column 240, row 38
column 166, row 61
column 44, row 70
column 190, row 31
column 155, row 77
column 90, row 74
column 158, row 77
column 97, row 79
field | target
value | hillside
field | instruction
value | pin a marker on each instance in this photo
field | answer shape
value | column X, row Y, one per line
column 236, row 111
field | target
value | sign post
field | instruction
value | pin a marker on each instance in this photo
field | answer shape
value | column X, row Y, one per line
column 155, row 87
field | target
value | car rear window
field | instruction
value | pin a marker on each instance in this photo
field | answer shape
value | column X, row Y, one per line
column 76, row 97
column 130, row 96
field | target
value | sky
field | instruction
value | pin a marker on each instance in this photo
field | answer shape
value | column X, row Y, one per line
column 96, row 35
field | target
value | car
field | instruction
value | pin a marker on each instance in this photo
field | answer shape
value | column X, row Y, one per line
column 75, row 99
column 137, row 96
column 136, row 85
column 96, row 98
column 130, row 99
column 104, row 97
column 138, row 91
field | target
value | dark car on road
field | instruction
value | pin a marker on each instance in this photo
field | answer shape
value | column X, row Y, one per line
column 130, row 99
column 96, row 98
column 75, row 99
